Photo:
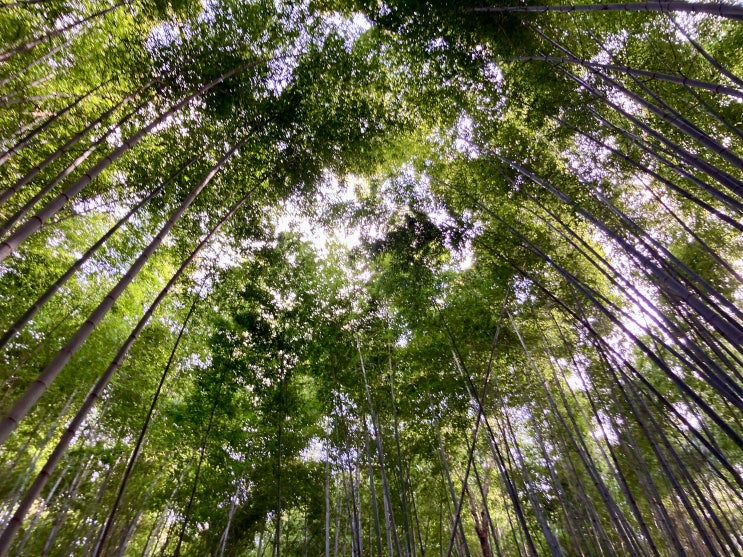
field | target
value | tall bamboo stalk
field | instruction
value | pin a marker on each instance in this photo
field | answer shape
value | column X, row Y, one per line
column 15, row 522
column 721, row 9
column 40, row 385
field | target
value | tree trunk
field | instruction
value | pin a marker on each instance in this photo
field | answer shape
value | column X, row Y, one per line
column 202, row 454
column 48, row 122
column 373, row 493
column 24, row 71
column 30, row 175
column 388, row 507
column 720, row 9
column 22, row 321
column 327, row 504
column 54, row 206
column 49, row 36
column 678, row 79
column 400, row 467
column 95, row 393
column 36, row 389
column 226, row 533
column 140, row 440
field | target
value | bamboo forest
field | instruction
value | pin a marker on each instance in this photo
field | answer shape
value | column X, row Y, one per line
column 352, row 278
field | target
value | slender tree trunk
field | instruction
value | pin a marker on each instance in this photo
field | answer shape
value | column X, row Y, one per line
column 42, row 509
column 389, row 508
column 721, row 9
column 677, row 79
column 607, row 308
column 400, row 467
column 50, row 35
column 481, row 527
column 583, row 450
column 359, row 505
column 617, row 516
column 42, row 478
column 421, row 550
column 336, row 539
column 29, row 205
column 132, row 526
column 23, row 72
column 732, row 330
column 327, row 504
column 152, row 538
column 10, row 482
column 277, row 542
column 36, row 389
column 724, row 178
column 140, row 440
column 662, row 111
column 656, row 152
column 711, row 59
column 259, row 550
column 373, row 493
column 202, row 454
column 484, row 487
column 230, row 516
column 716, row 375
column 26, row 140
column 350, row 501
column 54, row 206
column 468, row 381
column 674, row 187
column 15, row 494
column 22, row 321
column 30, row 175
column 456, row 525
column 60, row 516
column 97, row 507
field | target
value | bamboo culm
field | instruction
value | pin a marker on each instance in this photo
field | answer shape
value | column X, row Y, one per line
column 22, row 321
column 721, row 9
column 39, row 386
column 100, row 544
column 26, row 140
column 677, row 79
column 54, row 206
column 57, row 32
column 30, row 175
column 97, row 391
column 63, row 175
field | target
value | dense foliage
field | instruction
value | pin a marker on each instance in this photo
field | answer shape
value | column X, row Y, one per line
column 350, row 277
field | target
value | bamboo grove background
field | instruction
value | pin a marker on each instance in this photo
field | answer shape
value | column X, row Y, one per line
column 348, row 277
